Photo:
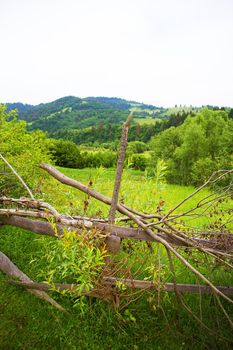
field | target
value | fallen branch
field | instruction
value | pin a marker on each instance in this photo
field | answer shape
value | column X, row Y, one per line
column 29, row 203
column 219, row 242
column 166, row 230
column 131, row 283
column 10, row 269
column 157, row 238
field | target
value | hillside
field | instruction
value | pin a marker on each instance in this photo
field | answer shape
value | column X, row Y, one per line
column 90, row 119
column 98, row 120
column 85, row 109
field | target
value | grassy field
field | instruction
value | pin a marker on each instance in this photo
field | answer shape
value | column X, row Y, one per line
column 28, row 323
column 136, row 190
column 176, row 110
column 148, row 121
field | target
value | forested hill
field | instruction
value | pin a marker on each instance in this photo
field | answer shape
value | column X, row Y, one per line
column 98, row 120
column 66, row 105
column 86, row 120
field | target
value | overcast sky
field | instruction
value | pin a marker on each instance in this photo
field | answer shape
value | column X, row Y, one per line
column 163, row 52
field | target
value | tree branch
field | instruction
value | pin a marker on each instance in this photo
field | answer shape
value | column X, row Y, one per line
column 131, row 283
column 10, row 269
column 17, row 175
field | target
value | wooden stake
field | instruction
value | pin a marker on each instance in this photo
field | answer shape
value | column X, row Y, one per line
column 113, row 242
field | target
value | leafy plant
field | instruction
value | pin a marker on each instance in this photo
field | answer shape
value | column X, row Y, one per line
column 75, row 259
column 160, row 173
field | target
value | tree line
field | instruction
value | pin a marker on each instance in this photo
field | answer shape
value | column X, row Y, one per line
column 191, row 150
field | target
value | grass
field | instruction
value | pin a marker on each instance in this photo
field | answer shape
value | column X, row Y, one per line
column 176, row 110
column 136, row 190
column 147, row 121
column 29, row 323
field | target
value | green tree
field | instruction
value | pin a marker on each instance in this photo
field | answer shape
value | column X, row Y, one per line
column 24, row 150
column 208, row 136
column 66, row 154
column 230, row 115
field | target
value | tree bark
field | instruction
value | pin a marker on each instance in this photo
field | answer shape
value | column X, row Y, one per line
column 222, row 242
column 131, row 283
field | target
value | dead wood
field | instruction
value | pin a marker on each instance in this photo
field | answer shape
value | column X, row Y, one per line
column 131, row 283
column 219, row 241
column 164, row 229
column 17, row 175
column 144, row 225
column 10, row 269
column 113, row 242
column 119, row 169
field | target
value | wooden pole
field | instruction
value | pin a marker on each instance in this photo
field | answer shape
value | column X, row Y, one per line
column 113, row 242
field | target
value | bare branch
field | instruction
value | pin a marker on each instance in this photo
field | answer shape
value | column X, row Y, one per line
column 131, row 283
column 160, row 231
column 18, row 176
column 119, row 169
column 220, row 242
column 7, row 266
column 210, row 180
column 89, row 191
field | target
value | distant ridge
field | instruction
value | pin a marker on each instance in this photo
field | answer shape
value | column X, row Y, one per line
column 76, row 102
column 94, row 119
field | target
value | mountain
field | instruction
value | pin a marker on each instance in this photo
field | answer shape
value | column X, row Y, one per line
column 90, row 119
column 70, row 104
column 22, row 108
column 120, row 103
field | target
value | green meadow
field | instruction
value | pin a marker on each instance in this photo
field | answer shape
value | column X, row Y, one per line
column 148, row 121
column 137, row 191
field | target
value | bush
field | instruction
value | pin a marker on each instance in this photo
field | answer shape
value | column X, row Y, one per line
column 138, row 162
column 136, row 147
column 105, row 158
column 66, row 154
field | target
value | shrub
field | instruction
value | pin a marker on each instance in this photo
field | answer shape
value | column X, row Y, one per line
column 66, row 154
column 138, row 162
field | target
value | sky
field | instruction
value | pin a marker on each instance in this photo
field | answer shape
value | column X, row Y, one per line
column 163, row 52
